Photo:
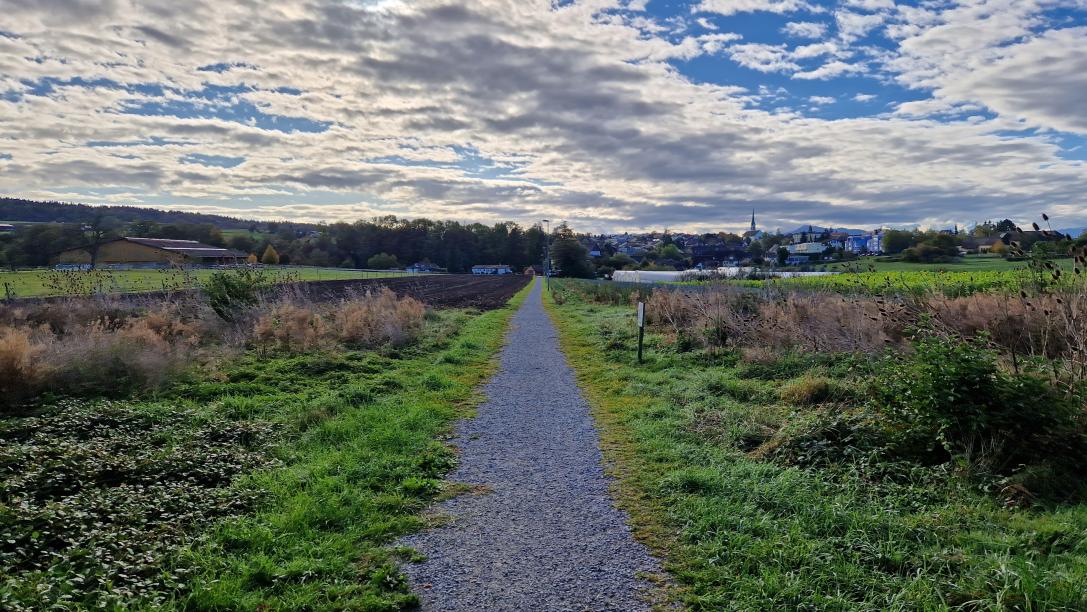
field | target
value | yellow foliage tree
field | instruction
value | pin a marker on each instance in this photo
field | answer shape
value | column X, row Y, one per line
column 270, row 257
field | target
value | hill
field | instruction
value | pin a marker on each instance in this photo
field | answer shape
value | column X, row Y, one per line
column 28, row 211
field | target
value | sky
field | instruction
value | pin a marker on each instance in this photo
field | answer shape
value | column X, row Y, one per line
column 613, row 115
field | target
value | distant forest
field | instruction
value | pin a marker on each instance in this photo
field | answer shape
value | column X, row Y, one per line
column 381, row 242
column 28, row 211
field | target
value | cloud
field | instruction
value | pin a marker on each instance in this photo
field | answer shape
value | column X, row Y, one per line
column 864, row 97
column 822, row 99
column 523, row 110
column 805, row 29
column 732, row 7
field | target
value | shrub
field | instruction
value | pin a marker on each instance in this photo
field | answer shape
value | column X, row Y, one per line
column 21, row 370
column 233, row 292
column 950, row 398
column 378, row 318
column 382, row 261
column 289, row 327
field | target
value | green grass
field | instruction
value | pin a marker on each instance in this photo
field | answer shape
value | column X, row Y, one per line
column 42, row 283
column 356, row 445
column 969, row 263
column 952, row 284
column 683, row 434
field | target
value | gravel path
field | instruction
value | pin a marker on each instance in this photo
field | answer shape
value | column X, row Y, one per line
column 544, row 535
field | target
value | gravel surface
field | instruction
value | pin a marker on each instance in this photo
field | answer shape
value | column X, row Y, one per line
column 543, row 534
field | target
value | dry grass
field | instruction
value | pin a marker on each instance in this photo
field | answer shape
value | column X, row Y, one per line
column 1051, row 325
column 109, row 347
column 378, row 318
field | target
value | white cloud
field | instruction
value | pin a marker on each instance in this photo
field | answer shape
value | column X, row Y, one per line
column 579, row 113
column 864, row 97
column 830, row 70
column 805, row 29
column 852, row 26
column 822, row 99
column 732, row 7
column 761, row 57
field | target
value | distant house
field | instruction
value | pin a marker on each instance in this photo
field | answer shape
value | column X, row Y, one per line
column 856, row 244
column 875, row 242
column 810, row 249
column 150, row 253
column 810, row 233
column 424, row 266
column 492, row 269
column 712, row 255
column 6, row 228
column 797, row 260
column 534, row 270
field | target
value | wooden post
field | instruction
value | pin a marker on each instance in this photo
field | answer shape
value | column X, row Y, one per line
column 641, row 329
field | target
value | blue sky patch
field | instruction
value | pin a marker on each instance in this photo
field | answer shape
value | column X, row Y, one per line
column 217, row 161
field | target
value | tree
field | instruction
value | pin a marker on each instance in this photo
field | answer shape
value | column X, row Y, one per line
column 270, row 257
column 670, row 251
column 100, row 230
column 896, row 241
column 568, row 256
column 382, row 261
column 757, row 252
column 783, row 255
column 1007, row 225
column 252, row 258
column 940, row 248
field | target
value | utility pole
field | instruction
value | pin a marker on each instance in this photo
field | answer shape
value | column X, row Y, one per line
column 547, row 253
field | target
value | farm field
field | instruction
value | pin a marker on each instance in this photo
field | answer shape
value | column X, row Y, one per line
column 45, row 282
column 769, row 475
column 907, row 282
column 969, row 263
column 274, row 473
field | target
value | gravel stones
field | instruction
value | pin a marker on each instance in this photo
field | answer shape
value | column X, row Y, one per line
column 542, row 533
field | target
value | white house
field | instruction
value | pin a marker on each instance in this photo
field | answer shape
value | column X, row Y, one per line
column 875, row 242
column 491, row 270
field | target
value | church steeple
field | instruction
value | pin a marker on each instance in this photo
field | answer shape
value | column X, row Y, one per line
column 752, row 219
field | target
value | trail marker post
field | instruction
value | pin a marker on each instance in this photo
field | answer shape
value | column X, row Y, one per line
column 641, row 329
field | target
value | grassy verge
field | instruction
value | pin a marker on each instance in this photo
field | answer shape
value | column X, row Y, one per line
column 741, row 531
column 46, row 283
column 273, row 482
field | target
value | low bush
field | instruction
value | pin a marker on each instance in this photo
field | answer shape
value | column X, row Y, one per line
column 289, row 327
column 379, row 318
column 232, row 293
column 950, row 399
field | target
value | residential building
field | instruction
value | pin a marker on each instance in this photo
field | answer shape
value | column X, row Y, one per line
column 810, row 249
column 857, row 244
column 492, row 269
column 875, row 242
column 150, row 253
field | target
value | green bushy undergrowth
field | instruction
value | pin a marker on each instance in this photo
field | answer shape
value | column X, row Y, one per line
column 266, row 483
column 950, row 400
column 762, row 499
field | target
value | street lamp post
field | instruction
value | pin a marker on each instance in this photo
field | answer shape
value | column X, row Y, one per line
column 547, row 253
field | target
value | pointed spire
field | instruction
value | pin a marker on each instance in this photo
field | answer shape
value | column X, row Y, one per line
column 752, row 219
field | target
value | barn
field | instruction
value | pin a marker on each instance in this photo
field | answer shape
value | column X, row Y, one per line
column 151, row 253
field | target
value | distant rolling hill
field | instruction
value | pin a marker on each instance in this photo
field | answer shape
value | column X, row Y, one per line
column 15, row 210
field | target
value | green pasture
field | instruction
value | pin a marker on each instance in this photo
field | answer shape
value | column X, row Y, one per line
column 46, row 282
column 970, row 263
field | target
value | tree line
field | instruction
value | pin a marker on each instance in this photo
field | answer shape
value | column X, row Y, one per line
column 385, row 242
